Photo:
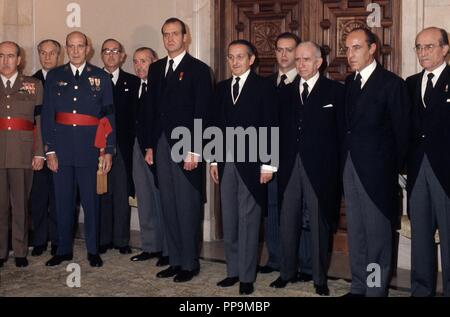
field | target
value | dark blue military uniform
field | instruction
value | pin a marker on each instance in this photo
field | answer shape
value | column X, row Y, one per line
column 74, row 146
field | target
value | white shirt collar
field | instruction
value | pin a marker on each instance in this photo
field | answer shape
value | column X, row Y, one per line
column 80, row 69
column 44, row 73
column 243, row 77
column 12, row 79
column 437, row 73
column 242, row 80
column 367, row 72
column 290, row 76
column 115, row 74
column 176, row 61
column 143, row 81
column 311, row 82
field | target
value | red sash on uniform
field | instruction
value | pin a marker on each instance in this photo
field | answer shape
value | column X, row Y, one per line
column 16, row 124
column 103, row 125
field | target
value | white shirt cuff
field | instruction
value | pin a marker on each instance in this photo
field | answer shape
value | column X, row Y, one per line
column 195, row 154
column 53, row 152
column 268, row 168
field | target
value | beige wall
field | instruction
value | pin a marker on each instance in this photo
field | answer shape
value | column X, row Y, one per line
column 416, row 15
column 135, row 23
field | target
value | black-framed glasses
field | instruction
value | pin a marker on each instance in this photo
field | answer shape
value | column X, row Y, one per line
column 108, row 51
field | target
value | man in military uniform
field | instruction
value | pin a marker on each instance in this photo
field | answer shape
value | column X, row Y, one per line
column 20, row 147
column 78, row 125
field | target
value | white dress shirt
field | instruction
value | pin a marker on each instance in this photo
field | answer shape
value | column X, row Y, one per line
column 290, row 76
column 12, row 79
column 176, row 61
column 242, row 80
column 140, row 87
column 437, row 73
column 80, row 69
column 366, row 73
column 311, row 83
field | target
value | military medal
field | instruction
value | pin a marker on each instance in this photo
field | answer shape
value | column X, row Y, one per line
column 97, row 84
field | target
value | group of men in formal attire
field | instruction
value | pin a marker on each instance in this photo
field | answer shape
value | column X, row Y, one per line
column 69, row 125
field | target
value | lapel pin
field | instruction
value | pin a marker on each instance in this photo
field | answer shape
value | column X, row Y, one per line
column 446, row 88
column 181, row 76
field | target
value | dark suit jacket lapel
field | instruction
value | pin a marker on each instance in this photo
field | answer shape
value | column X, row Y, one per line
column 246, row 89
column 313, row 94
column 440, row 88
column 367, row 94
column 176, row 74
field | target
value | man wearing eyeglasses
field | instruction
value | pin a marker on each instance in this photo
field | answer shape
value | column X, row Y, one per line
column 376, row 137
column 42, row 200
column 114, row 206
column 78, row 132
column 428, row 163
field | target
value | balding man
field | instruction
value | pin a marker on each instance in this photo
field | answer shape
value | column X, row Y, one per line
column 153, row 242
column 428, row 163
column 374, row 150
column 310, row 113
column 78, row 127
column 21, row 148
column 42, row 199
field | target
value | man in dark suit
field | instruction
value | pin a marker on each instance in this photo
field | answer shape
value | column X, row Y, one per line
column 245, row 101
column 115, row 209
column 428, row 163
column 180, row 92
column 78, row 127
column 285, row 45
column 310, row 113
column 21, row 148
column 374, row 149
column 153, row 242
column 42, row 200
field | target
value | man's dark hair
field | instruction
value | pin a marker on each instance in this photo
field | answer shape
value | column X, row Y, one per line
column 175, row 20
column 371, row 38
column 289, row 36
column 148, row 49
column 54, row 42
column 443, row 41
column 251, row 49
column 114, row 40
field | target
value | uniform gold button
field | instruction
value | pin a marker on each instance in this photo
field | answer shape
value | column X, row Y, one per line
column 9, row 118
column 74, row 99
column 7, row 107
column 74, row 125
column 8, row 96
column 74, row 111
column 76, row 87
column 9, row 128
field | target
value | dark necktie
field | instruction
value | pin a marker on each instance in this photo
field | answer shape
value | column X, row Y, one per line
column 112, row 81
column 143, row 90
column 236, row 89
column 305, row 93
column 8, row 84
column 77, row 75
column 357, row 83
column 428, row 91
column 355, row 92
column 170, row 70
column 282, row 81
